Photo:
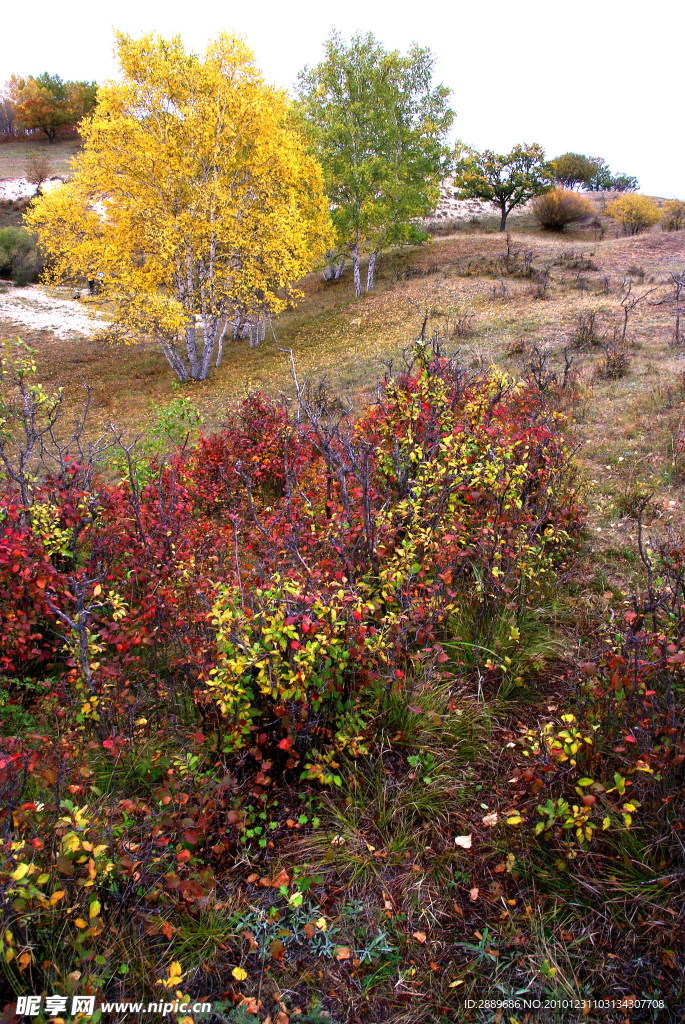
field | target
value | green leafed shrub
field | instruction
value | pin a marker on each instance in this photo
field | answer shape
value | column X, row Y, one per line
column 19, row 257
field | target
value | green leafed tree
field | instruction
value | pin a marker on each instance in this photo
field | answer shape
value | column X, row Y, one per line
column 507, row 180
column 604, row 180
column 378, row 125
column 572, row 170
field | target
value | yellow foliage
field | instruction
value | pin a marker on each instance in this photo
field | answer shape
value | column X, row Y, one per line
column 194, row 199
column 634, row 213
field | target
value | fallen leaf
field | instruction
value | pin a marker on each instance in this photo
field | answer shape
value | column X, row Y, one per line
column 342, row 953
column 239, row 973
column 463, row 841
column 277, row 950
column 420, row 936
column 473, row 893
column 491, row 819
column 282, row 878
column 250, row 1005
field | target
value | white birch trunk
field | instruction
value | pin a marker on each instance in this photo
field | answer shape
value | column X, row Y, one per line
column 370, row 272
column 356, row 271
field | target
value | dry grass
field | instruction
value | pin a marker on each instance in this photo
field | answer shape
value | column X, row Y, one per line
column 13, row 156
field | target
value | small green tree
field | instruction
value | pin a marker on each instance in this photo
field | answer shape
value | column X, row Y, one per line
column 633, row 213
column 604, row 180
column 506, row 180
column 378, row 126
column 573, row 169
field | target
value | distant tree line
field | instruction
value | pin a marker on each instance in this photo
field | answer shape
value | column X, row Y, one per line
column 509, row 180
column 591, row 173
column 45, row 104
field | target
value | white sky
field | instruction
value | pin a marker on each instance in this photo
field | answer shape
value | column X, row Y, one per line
column 603, row 78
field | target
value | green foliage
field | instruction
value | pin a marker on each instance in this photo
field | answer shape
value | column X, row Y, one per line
column 572, row 169
column 176, row 423
column 557, row 208
column 15, row 717
column 20, row 260
column 604, row 180
column 507, row 180
column 378, row 126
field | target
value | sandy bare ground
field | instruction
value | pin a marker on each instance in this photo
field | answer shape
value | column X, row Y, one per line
column 39, row 309
column 12, row 189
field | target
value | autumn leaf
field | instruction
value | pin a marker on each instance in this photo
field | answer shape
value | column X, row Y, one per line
column 24, row 960
column 420, row 936
column 282, row 878
column 248, row 225
column 239, row 973
column 277, row 949
column 463, row 841
column 342, row 953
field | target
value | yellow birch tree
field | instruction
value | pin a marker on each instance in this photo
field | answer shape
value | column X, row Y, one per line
column 194, row 204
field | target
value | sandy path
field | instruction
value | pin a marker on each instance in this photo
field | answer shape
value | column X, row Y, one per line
column 40, row 310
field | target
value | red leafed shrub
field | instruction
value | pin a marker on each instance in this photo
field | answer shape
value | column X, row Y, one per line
column 273, row 570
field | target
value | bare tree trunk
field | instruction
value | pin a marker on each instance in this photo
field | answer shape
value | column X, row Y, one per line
column 333, row 271
column 356, row 271
column 191, row 348
column 220, row 347
column 370, row 272
column 174, row 360
column 211, row 332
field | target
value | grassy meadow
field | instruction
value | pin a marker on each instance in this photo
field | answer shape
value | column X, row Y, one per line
column 59, row 154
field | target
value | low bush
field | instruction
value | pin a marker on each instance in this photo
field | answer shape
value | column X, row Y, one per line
column 673, row 215
column 586, row 331
column 20, row 260
column 555, row 209
column 191, row 646
column 634, row 213
column 616, row 362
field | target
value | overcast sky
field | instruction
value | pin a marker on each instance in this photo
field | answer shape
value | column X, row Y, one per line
column 605, row 79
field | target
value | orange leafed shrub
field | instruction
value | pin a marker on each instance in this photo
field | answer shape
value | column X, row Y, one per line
column 557, row 208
